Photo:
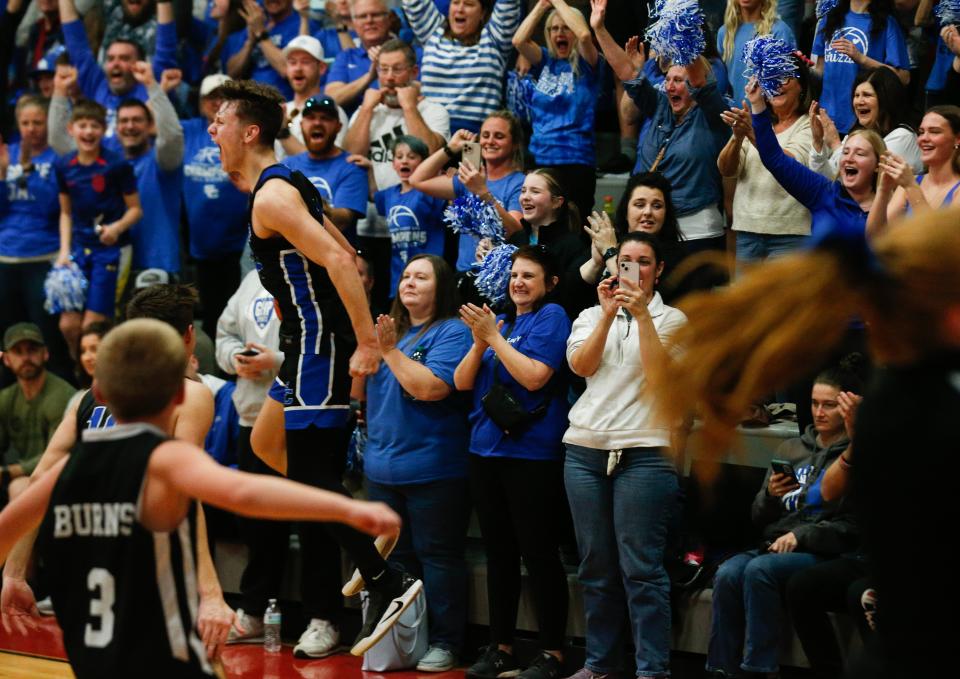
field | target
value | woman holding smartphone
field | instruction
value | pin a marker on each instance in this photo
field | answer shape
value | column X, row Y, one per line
column 516, row 371
column 620, row 482
column 800, row 529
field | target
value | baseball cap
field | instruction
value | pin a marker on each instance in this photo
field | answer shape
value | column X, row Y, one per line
column 321, row 103
column 150, row 277
column 48, row 62
column 212, row 82
column 305, row 43
column 20, row 332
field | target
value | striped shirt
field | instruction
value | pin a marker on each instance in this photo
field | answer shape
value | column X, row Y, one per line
column 466, row 79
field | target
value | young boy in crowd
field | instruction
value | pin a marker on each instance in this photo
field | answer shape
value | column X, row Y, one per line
column 415, row 219
column 119, row 538
column 98, row 205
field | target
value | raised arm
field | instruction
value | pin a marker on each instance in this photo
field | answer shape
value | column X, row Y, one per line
column 90, row 75
column 503, row 23
column 523, row 38
column 424, row 18
column 282, row 211
column 428, row 178
column 169, row 143
column 621, row 64
column 58, row 115
column 357, row 139
column 165, row 52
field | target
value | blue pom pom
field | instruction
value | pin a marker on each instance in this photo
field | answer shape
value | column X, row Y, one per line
column 824, row 7
column 469, row 214
column 677, row 34
column 770, row 60
column 65, row 288
column 948, row 12
column 519, row 95
column 493, row 276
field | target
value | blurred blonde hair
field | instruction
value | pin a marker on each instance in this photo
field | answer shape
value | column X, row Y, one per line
column 787, row 315
column 732, row 20
column 574, row 56
column 876, row 142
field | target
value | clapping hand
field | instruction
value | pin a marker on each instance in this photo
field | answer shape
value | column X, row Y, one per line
column 897, row 169
column 740, row 122
column 848, row 403
column 482, row 323
column 601, row 232
column 386, row 333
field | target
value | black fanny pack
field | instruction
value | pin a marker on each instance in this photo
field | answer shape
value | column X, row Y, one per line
column 505, row 409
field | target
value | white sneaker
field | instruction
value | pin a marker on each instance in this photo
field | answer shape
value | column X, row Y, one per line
column 437, row 659
column 320, row 639
column 252, row 635
column 384, row 545
column 45, row 607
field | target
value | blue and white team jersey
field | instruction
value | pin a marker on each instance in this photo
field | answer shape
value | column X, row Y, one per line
column 216, row 209
column 29, row 208
column 415, row 221
column 315, row 332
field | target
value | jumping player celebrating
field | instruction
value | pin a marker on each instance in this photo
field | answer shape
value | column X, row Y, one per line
column 326, row 332
column 119, row 534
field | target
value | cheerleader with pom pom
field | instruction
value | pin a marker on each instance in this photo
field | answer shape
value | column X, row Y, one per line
column 517, row 371
column 855, row 36
column 767, row 220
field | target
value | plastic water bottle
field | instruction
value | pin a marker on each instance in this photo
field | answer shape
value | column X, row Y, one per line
column 608, row 207
column 271, row 628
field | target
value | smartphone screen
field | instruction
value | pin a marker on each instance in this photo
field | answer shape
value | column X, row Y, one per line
column 630, row 271
column 783, row 467
column 471, row 153
column 249, row 352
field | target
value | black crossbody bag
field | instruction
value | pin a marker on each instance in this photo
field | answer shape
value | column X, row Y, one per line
column 505, row 409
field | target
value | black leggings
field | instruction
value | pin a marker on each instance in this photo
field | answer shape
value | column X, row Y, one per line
column 518, row 503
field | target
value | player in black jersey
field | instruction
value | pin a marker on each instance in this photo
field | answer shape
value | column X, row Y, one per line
column 172, row 304
column 118, row 532
column 310, row 269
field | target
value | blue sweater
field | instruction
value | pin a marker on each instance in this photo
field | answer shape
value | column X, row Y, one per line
column 692, row 147
column 833, row 212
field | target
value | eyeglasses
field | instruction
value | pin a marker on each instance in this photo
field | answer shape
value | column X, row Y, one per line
column 393, row 70
column 370, row 15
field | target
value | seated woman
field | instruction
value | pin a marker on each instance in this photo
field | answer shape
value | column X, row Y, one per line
column 564, row 101
column 416, row 455
column 900, row 193
column 800, row 529
column 621, row 484
column 497, row 182
column 516, row 370
column 879, row 101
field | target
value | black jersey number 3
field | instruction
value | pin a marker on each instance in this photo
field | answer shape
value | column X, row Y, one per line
column 99, row 632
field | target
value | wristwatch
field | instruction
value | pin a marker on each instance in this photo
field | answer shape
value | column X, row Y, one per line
column 610, row 252
column 262, row 35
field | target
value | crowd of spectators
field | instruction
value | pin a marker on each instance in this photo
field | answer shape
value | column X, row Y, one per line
column 518, row 405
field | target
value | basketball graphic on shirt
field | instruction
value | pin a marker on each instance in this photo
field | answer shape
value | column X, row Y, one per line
column 859, row 39
column 405, row 231
column 98, row 183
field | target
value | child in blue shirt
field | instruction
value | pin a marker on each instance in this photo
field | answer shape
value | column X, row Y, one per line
column 415, row 219
column 98, row 205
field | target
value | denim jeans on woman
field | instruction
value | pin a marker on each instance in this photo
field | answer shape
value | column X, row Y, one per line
column 748, row 609
column 621, row 521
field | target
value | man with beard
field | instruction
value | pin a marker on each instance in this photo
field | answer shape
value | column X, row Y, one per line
column 306, row 73
column 31, row 409
column 115, row 82
column 255, row 51
column 157, row 164
column 342, row 184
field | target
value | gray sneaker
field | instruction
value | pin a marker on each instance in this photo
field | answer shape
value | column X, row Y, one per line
column 437, row 659
column 584, row 673
column 253, row 630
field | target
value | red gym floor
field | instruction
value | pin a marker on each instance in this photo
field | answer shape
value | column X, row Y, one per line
column 41, row 655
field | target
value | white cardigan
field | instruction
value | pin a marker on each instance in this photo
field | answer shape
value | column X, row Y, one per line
column 901, row 140
column 615, row 411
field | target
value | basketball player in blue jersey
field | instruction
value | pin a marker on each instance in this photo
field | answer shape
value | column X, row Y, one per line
column 326, row 331
column 118, row 525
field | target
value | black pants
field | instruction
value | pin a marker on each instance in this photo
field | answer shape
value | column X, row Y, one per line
column 580, row 183
column 217, row 280
column 830, row 586
column 378, row 251
column 317, row 457
column 517, row 503
column 268, row 545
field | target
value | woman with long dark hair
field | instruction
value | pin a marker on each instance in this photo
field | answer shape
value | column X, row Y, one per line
column 416, row 455
column 516, row 369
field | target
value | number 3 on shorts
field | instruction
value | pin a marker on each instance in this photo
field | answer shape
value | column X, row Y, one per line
column 101, row 584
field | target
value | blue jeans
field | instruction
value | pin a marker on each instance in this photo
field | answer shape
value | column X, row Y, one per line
column 748, row 609
column 431, row 546
column 756, row 247
column 621, row 522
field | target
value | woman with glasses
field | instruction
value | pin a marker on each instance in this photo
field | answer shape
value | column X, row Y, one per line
column 29, row 226
column 465, row 54
column 620, row 482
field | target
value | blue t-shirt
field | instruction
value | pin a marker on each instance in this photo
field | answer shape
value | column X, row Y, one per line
column 330, row 41
column 29, row 208
column 562, row 112
column 415, row 221
column 216, row 209
column 507, row 191
column 340, row 183
column 285, row 31
column 735, row 66
column 542, row 336
column 839, row 71
column 412, row 441
column 156, row 237
column 942, row 65
column 95, row 190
